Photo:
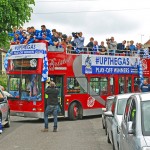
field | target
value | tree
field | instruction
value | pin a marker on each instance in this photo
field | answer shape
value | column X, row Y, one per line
column 13, row 13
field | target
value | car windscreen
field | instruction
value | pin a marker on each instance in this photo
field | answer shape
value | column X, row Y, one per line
column 145, row 111
column 109, row 104
column 121, row 106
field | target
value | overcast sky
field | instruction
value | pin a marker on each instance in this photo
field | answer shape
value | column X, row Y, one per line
column 101, row 19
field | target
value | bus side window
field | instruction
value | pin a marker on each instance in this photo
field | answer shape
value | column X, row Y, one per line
column 103, row 86
column 121, row 85
column 94, row 84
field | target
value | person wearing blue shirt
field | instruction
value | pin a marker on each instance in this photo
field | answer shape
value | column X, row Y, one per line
column 44, row 30
column 30, row 39
column 79, row 41
column 132, row 47
column 35, row 32
column 47, row 39
column 23, row 37
column 145, row 87
column 15, row 30
column 17, row 39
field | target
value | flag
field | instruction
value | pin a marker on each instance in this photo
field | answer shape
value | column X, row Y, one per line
column 140, row 72
column 6, row 59
column 45, row 68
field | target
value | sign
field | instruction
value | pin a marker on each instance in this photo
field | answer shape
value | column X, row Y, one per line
column 33, row 50
column 93, row 64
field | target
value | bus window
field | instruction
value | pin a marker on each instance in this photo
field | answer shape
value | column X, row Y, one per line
column 14, row 82
column 112, row 85
column 103, row 86
column 28, row 86
column 121, row 85
column 129, row 89
column 73, row 85
column 136, row 84
column 94, row 84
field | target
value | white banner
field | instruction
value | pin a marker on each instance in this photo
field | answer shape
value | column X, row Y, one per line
column 34, row 50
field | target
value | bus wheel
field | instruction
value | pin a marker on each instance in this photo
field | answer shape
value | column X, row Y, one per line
column 74, row 111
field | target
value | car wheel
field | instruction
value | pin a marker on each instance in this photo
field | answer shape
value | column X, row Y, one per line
column 7, row 125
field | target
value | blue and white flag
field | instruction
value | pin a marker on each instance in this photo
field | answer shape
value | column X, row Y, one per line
column 45, row 68
column 6, row 59
column 140, row 72
column 146, row 53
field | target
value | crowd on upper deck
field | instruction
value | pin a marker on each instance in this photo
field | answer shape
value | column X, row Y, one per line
column 75, row 42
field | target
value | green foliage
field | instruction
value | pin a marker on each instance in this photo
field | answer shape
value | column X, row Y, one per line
column 13, row 13
column 3, row 80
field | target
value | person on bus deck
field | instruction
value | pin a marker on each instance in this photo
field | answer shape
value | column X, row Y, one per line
column 35, row 32
column 121, row 47
column 95, row 49
column 47, row 39
column 45, row 30
column 23, row 37
column 55, row 39
column 145, row 87
column 30, row 39
column 52, row 106
column 15, row 30
column 102, row 48
column 132, row 47
column 112, row 46
column 17, row 39
column 90, row 45
column 79, row 41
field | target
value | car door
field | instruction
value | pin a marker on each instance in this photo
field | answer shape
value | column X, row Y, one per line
column 3, row 106
column 131, row 138
column 124, row 133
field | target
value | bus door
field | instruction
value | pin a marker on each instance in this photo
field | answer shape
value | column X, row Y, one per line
column 59, row 84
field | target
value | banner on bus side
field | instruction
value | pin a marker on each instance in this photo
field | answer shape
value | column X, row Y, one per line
column 94, row 64
column 34, row 50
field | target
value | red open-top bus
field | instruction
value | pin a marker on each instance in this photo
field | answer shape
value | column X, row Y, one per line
column 84, row 80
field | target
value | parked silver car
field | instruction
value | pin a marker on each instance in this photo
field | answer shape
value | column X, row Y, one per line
column 4, row 110
column 135, row 126
column 114, row 118
column 108, row 104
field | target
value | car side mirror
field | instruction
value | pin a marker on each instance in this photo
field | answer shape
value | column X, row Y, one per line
column 129, row 127
column 104, row 109
column 108, row 114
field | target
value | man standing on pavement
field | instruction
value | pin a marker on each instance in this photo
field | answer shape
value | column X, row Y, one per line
column 145, row 86
column 52, row 106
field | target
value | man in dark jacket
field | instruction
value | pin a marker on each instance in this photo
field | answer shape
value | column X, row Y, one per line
column 52, row 106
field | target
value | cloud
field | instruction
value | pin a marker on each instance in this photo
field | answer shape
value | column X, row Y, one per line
column 72, row 16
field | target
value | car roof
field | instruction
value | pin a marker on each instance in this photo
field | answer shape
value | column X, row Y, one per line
column 125, row 95
column 110, row 97
column 144, row 96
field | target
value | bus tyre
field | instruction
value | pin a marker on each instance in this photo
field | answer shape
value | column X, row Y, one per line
column 74, row 111
column 7, row 125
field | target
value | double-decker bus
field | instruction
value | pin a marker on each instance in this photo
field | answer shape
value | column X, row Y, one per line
column 84, row 80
